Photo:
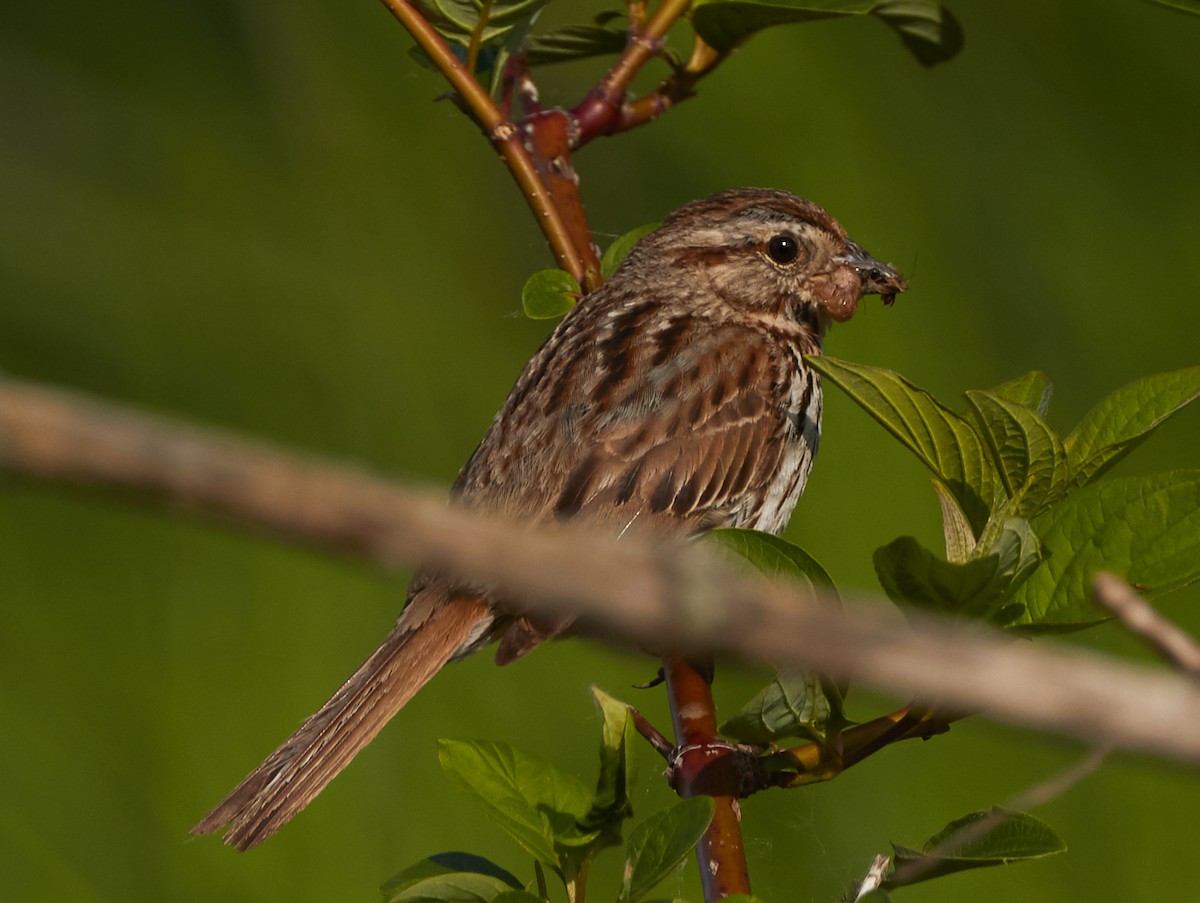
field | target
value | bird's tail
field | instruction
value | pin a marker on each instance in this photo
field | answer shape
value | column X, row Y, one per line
column 427, row 636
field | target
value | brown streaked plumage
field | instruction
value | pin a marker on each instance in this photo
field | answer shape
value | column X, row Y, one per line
column 675, row 397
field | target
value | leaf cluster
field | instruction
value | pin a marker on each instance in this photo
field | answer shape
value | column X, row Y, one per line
column 556, row 819
column 1027, row 517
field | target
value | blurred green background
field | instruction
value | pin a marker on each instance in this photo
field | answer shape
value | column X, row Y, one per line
column 254, row 215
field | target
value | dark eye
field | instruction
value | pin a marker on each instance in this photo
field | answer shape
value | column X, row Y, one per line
column 783, row 248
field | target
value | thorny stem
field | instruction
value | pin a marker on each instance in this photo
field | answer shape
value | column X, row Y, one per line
column 704, row 765
column 505, row 136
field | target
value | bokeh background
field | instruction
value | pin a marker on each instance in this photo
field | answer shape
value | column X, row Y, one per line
column 255, row 215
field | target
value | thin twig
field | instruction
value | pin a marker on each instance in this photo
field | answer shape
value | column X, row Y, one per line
column 667, row 597
column 1140, row 618
column 600, row 110
column 1038, row 795
column 651, row 734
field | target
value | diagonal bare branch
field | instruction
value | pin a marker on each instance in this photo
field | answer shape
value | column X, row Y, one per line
column 679, row 598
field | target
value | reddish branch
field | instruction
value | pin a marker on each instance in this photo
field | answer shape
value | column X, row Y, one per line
column 704, row 764
column 538, row 148
column 505, row 137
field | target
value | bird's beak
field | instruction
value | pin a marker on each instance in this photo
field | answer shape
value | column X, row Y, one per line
column 877, row 278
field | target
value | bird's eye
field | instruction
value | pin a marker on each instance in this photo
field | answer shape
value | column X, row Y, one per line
column 783, row 248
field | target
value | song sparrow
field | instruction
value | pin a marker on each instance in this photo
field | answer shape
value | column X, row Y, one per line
column 676, row 396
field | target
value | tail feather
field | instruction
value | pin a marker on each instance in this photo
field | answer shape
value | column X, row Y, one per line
column 421, row 643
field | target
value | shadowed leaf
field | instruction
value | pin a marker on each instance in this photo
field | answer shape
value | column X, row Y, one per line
column 1184, row 6
column 658, row 843
column 574, row 42
column 925, row 26
column 619, row 249
column 980, row 588
column 792, row 705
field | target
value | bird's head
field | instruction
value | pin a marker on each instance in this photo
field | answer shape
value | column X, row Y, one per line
column 767, row 251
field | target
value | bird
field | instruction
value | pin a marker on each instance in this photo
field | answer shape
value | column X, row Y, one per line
column 675, row 397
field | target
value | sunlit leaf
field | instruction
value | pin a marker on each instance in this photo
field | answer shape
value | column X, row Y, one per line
column 535, row 802
column 956, row 529
column 457, row 20
column 452, row 887
column 1146, row 529
column 775, row 556
column 1026, row 451
column 1030, row 390
column 548, row 294
column 659, row 842
column 978, row 840
column 1116, row 425
column 945, row 442
column 441, row 865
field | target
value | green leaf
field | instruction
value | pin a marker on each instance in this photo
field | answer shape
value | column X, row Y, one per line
column 977, row 840
column 1025, row 449
column 930, row 31
column 1146, row 529
column 619, row 249
column 1031, row 390
column 979, row 588
column 574, row 42
column 611, row 805
column 775, row 557
column 536, row 803
column 660, row 842
column 1184, row 6
column 456, row 20
column 960, row 540
column 723, row 24
column 925, row 26
column 452, row 887
column 946, row 443
column 445, row 864
column 517, row 896
column 548, row 294
column 792, row 705
column 1114, row 427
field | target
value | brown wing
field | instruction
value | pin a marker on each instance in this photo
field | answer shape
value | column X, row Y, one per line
column 628, row 416
column 679, row 421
